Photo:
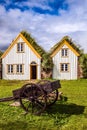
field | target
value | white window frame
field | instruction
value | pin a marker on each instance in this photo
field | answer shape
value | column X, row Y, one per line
column 64, row 67
column 64, row 52
column 10, row 68
column 19, row 68
column 20, row 47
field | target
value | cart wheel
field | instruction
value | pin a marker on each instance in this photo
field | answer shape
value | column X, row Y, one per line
column 52, row 97
column 31, row 98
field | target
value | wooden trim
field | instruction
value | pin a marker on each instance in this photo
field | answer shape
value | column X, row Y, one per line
column 71, row 48
column 7, row 69
column 64, row 42
column 57, row 50
column 68, row 68
column 23, row 47
column 67, row 52
column 10, row 47
column 23, row 68
column 19, row 73
column 15, row 69
column 29, row 45
column 31, row 69
column 14, row 42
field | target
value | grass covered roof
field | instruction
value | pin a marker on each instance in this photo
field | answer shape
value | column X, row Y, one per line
column 32, row 41
column 69, row 40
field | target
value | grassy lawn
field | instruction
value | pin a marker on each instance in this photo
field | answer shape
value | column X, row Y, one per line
column 69, row 115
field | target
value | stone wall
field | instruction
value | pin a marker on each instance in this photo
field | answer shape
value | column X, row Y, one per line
column 80, row 72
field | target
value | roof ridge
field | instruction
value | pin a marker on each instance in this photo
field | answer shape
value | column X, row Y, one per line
column 33, row 43
column 69, row 40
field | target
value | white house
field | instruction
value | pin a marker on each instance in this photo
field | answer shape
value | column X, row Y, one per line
column 21, row 61
column 65, row 60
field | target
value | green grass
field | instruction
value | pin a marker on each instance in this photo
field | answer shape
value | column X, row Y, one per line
column 69, row 115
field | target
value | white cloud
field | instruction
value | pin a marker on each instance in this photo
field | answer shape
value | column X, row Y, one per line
column 43, row 4
column 45, row 28
column 35, row 4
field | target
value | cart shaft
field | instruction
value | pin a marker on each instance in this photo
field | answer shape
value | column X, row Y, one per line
column 6, row 99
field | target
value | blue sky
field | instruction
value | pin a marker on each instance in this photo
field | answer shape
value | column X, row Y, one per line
column 48, row 21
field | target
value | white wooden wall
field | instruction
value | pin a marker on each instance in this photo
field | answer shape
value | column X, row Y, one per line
column 21, row 58
column 71, row 59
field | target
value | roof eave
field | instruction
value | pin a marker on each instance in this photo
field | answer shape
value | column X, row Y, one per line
column 60, row 46
column 13, row 43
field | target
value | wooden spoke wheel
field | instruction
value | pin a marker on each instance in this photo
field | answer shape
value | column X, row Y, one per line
column 52, row 96
column 33, row 99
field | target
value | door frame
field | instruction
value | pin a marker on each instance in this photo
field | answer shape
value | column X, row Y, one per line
column 33, row 63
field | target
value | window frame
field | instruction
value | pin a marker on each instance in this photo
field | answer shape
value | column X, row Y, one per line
column 63, row 67
column 20, row 47
column 10, row 69
column 64, row 52
column 19, row 68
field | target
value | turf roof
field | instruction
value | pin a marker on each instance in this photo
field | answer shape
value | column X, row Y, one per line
column 69, row 40
column 32, row 41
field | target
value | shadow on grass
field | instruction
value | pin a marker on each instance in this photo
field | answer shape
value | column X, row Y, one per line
column 70, row 109
column 61, row 112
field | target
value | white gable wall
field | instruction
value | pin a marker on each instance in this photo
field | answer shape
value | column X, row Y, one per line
column 71, row 59
column 21, row 58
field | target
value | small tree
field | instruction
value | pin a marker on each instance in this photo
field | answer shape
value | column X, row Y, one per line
column 84, row 66
column 47, row 63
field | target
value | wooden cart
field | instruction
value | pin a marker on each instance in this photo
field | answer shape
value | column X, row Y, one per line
column 37, row 97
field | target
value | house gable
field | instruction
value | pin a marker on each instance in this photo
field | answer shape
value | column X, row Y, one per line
column 61, row 44
column 26, row 42
column 65, row 59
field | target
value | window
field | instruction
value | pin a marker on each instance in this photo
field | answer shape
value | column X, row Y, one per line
column 19, row 68
column 64, row 52
column 20, row 47
column 9, row 69
column 64, row 67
